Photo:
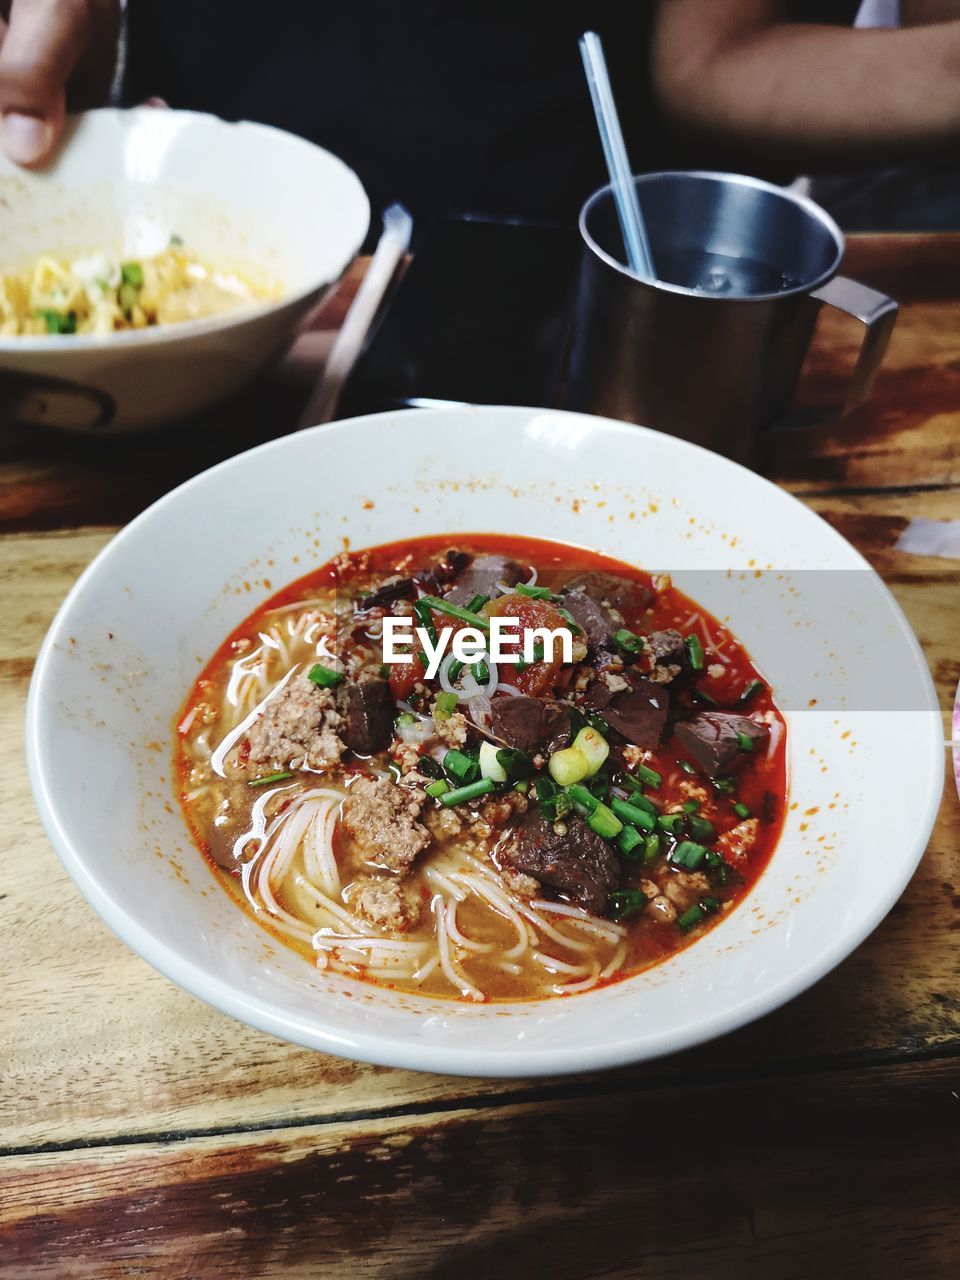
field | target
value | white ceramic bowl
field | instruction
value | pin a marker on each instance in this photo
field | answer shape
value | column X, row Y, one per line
column 130, row 638
column 244, row 194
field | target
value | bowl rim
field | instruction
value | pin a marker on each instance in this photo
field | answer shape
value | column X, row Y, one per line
column 387, row 1048
column 188, row 330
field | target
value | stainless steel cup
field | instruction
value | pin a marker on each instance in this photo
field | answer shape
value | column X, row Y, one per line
column 717, row 362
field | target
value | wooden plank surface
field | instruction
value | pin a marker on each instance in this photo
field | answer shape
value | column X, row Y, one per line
column 145, row 1134
column 651, row 1184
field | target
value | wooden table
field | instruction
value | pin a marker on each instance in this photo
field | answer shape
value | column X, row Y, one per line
column 144, row 1134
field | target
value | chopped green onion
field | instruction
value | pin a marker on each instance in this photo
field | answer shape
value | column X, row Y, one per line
column 271, row 777
column 698, row 912
column 624, row 902
column 523, row 786
column 631, row 813
column 384, row 670
column 324, row 677
column 691, row 806
column 545, row 787
column 701, row 695
column 454, row 669
column 649, row 777
column 749, row 690
column 630, row 842
column 744, row 742
column 128, row 297
column 470, row 792
column 672, row 823
column 425, row 618
column 651, row 847
column 481, row 672
column 581, row 796
column 535, row 593
column 176, row 241
column 569, row 765
column 570, row 620
column 555, row 807
column 695, row 652
column 741, row 810
column 454, row 611
column 515, row 762
column 490, row 766
column 640, row 801
column 132, row 273
column 716, row 865
column 59, row 322
column 593, row 747
column 701, row 829
column 628, row 640
column 405, row 719
column 577, row 718
column 688, row 854
column 438, row 788
column 692, row 916
column 422, row 659
column 725, row 786
column 598, row 723
column 599, row 785
column 430, row 767
column 599, row 818
column 687, row 767
column 477, row 603
column 444, row 706
column 459, row 767
column 537, row 654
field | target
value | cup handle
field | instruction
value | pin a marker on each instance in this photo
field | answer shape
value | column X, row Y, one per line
column 878, row 314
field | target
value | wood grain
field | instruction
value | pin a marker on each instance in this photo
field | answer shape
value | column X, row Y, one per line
column 142, row 1133
column 729, row 1182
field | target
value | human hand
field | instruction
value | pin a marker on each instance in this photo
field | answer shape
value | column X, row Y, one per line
column 51, row 50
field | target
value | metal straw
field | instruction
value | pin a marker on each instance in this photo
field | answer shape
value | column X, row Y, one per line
column 639, row 256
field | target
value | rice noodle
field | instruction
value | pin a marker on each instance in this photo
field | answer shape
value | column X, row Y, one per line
column 555, row 935
column 452, row 971
column 290, row 873
column 467, row 686
column 233, row 737
column 501, row 904
column 318, row 857
column 560, row 966
column 775, row 728
column 571, row 988
column 466, row 943
column 183, row 728
column 425, row 970
column 317, row 602
column 241, row 670
column 614, row 963
column 440, row 881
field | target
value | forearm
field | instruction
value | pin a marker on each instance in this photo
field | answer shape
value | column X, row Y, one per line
column 799, row 89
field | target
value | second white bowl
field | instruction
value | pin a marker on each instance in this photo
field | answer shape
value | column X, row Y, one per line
column 239, row 194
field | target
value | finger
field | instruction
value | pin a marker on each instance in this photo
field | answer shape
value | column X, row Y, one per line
column 44, row 41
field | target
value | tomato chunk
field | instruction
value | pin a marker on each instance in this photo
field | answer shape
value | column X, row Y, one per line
column 540, row 676
column 404, row 676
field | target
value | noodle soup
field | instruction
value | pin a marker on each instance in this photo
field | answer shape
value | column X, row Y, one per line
column 527, row 827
